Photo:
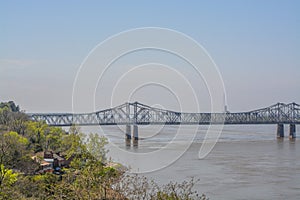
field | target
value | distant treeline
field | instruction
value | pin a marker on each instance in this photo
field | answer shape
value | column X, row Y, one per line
column 10, row 106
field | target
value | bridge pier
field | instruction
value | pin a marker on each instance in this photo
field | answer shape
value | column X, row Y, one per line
column 135, row 132
column 280, row 131
column 128, row 132
column 134, row 137
column 128, row 135
column 292, row 131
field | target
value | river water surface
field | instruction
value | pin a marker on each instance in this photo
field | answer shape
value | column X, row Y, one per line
column 248, row 162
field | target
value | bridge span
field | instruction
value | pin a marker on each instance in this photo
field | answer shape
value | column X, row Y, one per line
column 134, row 114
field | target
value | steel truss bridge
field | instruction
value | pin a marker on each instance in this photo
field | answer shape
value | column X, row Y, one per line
column 140, row 114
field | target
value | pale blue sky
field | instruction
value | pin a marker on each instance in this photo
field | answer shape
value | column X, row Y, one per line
column 255, row 44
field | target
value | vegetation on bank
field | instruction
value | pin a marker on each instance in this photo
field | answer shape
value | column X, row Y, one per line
column 88, row 174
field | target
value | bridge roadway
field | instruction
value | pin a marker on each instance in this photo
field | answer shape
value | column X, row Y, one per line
column 139, row 114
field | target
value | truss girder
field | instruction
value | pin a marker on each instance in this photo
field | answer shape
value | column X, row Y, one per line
column 137, row 113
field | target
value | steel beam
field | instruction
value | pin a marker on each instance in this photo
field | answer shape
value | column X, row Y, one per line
column 140, row 114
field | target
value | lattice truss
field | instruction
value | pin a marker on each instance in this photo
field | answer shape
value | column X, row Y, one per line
column 137, row 113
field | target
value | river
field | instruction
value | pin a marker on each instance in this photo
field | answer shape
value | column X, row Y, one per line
column 248, row 162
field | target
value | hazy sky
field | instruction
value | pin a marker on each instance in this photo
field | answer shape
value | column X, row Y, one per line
column 255, row 44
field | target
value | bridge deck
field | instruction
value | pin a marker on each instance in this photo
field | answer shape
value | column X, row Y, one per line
column 140, row 114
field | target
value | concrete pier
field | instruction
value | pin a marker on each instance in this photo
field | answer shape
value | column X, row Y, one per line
column 128, row 143
column 135, row 132
column 280, row 131
column 292, row 131
column 135, row 143
column 128, row 132
column 128, row 136
column 135, row 138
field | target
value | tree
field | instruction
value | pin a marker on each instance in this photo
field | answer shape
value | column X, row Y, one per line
column 7, row 179
column 11, row 118
column 12, row 149
column 17, row 122
column 54, row 138
column 138, row 187
column 73, row 144
column 96, row 146
column 85, row 150
column 10, row 105
column 35, row 132
column 93, row 179
column 38, row 186
column 4, row 116
column 74, row 129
